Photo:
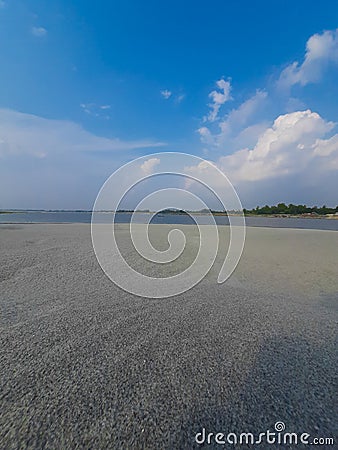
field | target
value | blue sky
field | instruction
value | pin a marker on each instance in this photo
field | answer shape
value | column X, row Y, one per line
column 87, row 86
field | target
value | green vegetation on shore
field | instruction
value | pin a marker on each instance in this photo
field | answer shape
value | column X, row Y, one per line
column 280, row 209
column 275, row 210
column 290, row 209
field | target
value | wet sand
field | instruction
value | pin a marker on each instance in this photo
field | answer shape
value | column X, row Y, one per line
column 87, row 365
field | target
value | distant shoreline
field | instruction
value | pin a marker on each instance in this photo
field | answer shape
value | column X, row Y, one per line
column 215, row 213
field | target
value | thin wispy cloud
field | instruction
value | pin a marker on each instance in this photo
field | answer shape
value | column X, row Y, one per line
column 175, row 97
column 55, row 163
column 31, row 135
column 166, row 94
column 95, row 110
column 235, row 121
column 39, row 31
column 2, row 4
column 179, row 98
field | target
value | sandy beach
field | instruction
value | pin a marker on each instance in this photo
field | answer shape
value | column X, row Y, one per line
column 85, row 365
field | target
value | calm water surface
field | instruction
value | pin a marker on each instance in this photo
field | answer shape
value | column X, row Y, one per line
column 85, row 217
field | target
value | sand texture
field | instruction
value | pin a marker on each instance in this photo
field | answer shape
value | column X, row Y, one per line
column 85, row 365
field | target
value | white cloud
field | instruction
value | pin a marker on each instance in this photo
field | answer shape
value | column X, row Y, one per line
column 175, row 97
column 86, row 107
column 295, row 145
column 39, row 31
column 292, row 160
column 180, row 98
column 326, row 147
column 327, row 151
column 293, row 156
column 148, row 166
column 236, row 121
column 218, row 97
column 48, row 163
column 35, row 136
column 95, row 110
column 321, row 50
column 240, row 116
column 166, row 94
column 206, row 136
column 204, row 172
column 288, row 147
column 2, row 4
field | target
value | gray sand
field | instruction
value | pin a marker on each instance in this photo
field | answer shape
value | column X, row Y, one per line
column 85, row 365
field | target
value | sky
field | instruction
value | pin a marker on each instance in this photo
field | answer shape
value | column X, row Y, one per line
column 86, row 87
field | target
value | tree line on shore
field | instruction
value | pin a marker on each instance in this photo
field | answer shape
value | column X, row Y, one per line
column 291, row 209
column 280, row 209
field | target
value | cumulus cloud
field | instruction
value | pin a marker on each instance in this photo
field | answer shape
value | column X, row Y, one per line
column 296, row 148
column 148, row 166
column 39, row 31
column 321, row 51
column 166, row 94
column 289, row 146
column 219, row 96
column 326, row 151
column 245, row 122
column 326, row 147
column 272, row 142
